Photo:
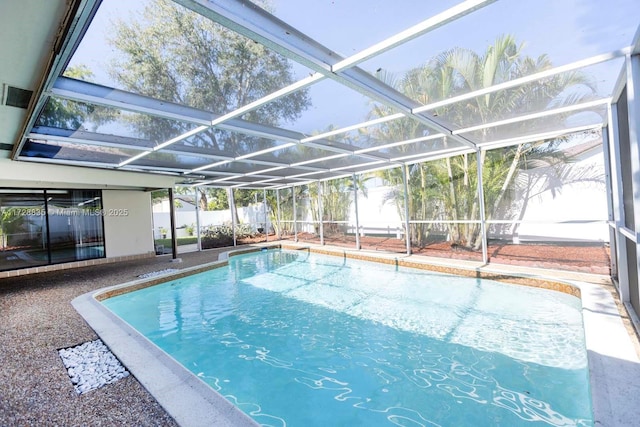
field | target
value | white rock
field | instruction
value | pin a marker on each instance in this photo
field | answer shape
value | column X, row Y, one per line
column 91, row 365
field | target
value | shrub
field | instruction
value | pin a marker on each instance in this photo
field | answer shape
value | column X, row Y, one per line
column 217, row 236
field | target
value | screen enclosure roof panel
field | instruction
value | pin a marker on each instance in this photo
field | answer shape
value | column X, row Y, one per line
column 269, row 93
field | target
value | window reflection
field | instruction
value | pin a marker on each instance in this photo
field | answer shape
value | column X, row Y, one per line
column 23, row 229
column 40, row 227
column 75, row 225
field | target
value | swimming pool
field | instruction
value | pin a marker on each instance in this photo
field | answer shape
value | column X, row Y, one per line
column 306, row 339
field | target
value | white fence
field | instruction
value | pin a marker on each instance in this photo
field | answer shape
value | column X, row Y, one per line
column 577, row 213
column 253, row 215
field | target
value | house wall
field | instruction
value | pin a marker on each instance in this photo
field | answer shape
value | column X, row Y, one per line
column 125, row 234
column 39, row 175
column 127, row 223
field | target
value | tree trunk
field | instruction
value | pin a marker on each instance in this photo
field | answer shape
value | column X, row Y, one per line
column 204, row 203
column 507, row 180
column 474, row 238
column 233, row 207
column 423, row 208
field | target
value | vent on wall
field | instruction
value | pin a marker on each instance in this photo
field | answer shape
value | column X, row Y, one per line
column 16, row 97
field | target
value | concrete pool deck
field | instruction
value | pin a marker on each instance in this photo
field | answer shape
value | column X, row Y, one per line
column 38, row 319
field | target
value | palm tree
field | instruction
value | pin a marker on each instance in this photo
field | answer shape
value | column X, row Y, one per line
column 337, row 197
column 448, row 188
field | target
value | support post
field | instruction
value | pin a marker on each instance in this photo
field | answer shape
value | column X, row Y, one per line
column 355, row 202
column 618, row 205
column 295, row 214
column 46, row 219
column 197, row 201
column 609, row 184
column 483, row 225
column 234, row 219
column 266, row 226
column 172, row 218
column 320, row 209
column 633, row 102
column 405, row 183
column 279, row 228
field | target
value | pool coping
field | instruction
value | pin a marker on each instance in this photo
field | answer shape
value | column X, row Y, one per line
column 614, row 366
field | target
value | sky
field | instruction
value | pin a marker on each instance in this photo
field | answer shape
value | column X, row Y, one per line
column 566, row 30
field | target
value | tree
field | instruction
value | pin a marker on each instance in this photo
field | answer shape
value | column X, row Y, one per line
column 209, row 199
column 287, row 196
column 337, row 198
column 11, row 222
column 447, row 189
column 176, row 55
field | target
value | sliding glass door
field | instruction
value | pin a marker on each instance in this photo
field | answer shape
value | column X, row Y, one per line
column 23, row 229
column 40, row 227
column 75, row 225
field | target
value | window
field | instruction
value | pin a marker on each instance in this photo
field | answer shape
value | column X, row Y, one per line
column 40, row 227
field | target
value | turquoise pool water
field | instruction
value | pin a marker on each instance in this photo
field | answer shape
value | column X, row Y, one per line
column 301, row 339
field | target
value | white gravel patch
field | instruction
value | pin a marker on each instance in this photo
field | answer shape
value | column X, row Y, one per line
column 91, row 365
column 158, row 273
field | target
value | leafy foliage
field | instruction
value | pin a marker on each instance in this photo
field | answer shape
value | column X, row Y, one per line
column 217, row 236
column 73, row 115
column 447, row 189
column 176, row 55
column 11, row 222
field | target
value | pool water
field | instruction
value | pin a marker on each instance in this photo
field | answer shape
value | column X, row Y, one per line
column 301, row 339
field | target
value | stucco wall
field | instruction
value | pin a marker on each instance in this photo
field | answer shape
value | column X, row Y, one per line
column 127, row 222
column 40, row 175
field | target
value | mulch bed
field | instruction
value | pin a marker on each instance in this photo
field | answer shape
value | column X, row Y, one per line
column 588, row 258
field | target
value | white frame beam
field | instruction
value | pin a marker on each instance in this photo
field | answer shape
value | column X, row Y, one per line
column 633, row 104
column 75, row 27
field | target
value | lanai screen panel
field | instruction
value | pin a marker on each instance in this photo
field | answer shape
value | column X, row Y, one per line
column 166, row 160
column 367, row 21
column 444, row 208
column 249, row 205
column 370, row 138
column 507, row 43
column 555, row 194
column 569, row 91
column 261, row 170
column 83, row 116
column 541, row 128
column 285, row 199
column 381, row 211
column 308, row 223
column 330, row 106
column 182, row 57
column 346, row 164
column 76, row 152
column 555, row 177
column 227, row 143
column 338, row 210
column 302, row 155
column 528, row 36
column 285, row 83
